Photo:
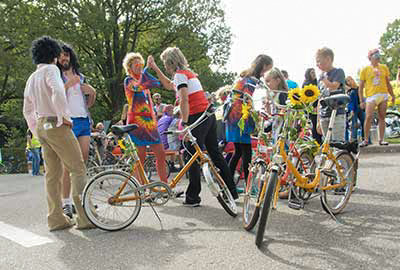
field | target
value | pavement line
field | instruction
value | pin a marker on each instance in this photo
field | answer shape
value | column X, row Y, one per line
column 22, row 237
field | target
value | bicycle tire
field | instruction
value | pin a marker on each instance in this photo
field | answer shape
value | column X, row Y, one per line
column 95, row 213
column 307, row 159
column 219, row 189
column 327, row 204
column 253, row 191
column 150, row 167
column 267, row 205
column 394, row 125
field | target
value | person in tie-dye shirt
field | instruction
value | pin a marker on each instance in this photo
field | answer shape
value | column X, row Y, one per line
column 141, row 113
column 238, row 131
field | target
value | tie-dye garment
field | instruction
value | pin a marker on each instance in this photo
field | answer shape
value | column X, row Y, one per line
column 233, row 132
column 140, row 110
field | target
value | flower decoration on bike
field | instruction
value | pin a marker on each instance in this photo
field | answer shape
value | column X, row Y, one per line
column 310, row 93
column 295, row 97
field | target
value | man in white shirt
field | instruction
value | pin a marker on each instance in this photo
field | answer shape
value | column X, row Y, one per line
column 46, row 112
column 80, row 97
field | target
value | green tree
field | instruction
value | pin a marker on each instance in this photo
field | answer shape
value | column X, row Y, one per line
column 390, row 45
column 104, row 31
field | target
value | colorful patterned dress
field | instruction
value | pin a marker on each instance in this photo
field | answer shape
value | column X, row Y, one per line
column 233, row 132
column 140, row 110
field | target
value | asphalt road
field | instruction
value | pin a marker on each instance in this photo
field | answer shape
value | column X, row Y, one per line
column 208, row 238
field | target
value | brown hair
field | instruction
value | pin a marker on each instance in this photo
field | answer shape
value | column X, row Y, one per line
column 257, row 66
column 325, row 52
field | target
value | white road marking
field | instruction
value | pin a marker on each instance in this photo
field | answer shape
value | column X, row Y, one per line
column 22, row 237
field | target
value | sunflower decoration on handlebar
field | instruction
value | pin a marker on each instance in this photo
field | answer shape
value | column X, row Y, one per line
column 300, row 105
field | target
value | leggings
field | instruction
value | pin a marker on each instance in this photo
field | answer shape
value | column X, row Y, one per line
column 242, row 150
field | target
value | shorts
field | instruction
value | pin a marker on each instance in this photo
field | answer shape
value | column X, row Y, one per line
column 81, row 126
column 377, row 98
column 338, row 129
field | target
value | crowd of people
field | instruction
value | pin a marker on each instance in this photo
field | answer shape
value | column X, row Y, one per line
column 57, row 98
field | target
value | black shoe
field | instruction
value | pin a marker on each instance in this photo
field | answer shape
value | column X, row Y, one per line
column 67, row 208
column 191, row 203
column 235, row 194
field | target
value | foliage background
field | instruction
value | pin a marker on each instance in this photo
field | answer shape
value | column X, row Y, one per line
column 102, row 32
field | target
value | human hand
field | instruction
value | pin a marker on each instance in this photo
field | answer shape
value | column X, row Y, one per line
column 150, row 62
column 362, row 105
column 67, row 123
column 75, row 79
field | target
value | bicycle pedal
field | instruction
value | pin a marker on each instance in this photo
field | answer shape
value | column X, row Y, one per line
column 328, row 172
column 296, row 204
column 310, row 175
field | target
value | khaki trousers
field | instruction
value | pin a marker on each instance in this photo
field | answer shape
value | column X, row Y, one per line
column 60, row 147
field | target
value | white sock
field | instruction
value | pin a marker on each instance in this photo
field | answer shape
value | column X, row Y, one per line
column 67, row 201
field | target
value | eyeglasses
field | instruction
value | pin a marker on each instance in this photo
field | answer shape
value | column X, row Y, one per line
column 138, row 65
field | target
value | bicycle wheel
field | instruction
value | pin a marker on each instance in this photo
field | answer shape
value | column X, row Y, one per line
column 392, row 124
column 304, row 165
column 219, row 189
column 254, row 186
column 111, row 216
column 267, row 205
column 150, row 167
column 335, row 200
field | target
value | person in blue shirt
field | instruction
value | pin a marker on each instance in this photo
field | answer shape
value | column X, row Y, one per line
column 291, row 84
column 353, row 108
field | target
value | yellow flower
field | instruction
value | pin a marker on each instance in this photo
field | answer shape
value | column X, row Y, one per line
column 245, row 111
column 295, row 96
column 310, row 93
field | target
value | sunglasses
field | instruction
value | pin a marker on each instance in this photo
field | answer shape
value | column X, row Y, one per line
column 138, row 65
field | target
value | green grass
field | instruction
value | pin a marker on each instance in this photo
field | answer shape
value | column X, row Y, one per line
column 394, row 140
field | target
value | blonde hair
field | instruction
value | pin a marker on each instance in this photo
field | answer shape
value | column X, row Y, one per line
column 129, row 58
column 174, row 59
column 275, row 73
column 352, row 83
column 325, row 52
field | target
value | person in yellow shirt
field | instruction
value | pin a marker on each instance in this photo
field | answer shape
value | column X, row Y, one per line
column 33, row 145
column 375, row 80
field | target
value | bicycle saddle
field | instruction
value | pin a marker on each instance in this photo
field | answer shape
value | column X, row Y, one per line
column 336, row 101
column 120, row 130
column 348, row 146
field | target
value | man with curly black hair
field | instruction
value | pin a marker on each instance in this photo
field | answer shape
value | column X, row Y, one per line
column 80, row 97
column 46, row 112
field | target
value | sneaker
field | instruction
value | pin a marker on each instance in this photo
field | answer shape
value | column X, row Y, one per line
column 191, row 204
column 68, row 210
column 73, row 210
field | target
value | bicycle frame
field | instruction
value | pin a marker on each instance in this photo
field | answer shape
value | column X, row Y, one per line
column 326, row 154
column 138, row 167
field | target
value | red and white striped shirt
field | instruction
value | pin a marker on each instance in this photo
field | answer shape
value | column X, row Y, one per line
column 197, row 99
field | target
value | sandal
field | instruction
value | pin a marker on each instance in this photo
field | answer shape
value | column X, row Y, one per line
column 363, row 144
column 383, row 143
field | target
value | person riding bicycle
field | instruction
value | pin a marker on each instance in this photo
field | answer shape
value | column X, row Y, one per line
column 193, row 103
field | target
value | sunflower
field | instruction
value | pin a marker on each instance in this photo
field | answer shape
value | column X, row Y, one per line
column 295, row 96
column 310, row 93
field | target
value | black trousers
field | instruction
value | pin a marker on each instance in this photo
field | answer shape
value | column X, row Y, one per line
column 242, row 150
column 315, row 134
column 206, row 135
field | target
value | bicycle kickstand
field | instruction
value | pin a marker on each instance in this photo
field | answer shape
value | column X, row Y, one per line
column 156, row 214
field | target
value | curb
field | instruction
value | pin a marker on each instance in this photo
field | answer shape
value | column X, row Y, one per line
column 375, row 148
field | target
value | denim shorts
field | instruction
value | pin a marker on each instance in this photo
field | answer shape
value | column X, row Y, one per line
column 80, row 126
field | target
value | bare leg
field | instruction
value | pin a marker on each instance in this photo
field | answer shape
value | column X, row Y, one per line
column 381, row 116
column 369, row 111
column 158, row 150
column 142, row 157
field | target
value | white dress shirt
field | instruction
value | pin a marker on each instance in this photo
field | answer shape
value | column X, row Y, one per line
column 45, row 96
